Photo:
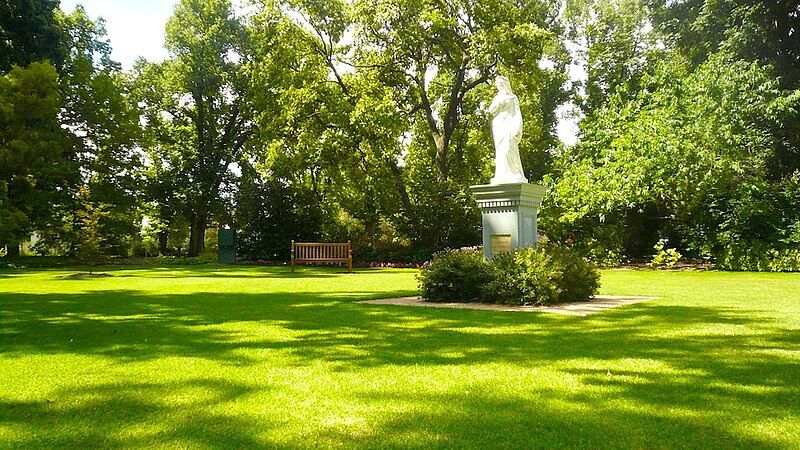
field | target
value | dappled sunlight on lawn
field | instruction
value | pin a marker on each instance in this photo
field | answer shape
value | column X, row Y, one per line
column 256, row 357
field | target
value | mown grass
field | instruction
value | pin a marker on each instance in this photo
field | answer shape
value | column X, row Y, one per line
column 253, row 357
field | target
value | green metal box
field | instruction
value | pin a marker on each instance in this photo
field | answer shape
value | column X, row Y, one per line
column 226, row 246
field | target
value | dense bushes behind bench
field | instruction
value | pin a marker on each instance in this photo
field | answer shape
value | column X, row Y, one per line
column 544, row 274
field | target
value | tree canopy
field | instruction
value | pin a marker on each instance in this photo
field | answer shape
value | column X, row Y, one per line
column 366, row 121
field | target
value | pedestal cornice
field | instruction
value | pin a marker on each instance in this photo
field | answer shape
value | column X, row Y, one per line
column 505, row 195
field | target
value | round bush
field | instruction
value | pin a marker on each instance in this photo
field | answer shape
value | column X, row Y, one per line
column 455, row 276
column 544, row 274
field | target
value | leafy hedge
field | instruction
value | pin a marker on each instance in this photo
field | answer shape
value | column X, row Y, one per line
column 544, row 274
column 759, row 259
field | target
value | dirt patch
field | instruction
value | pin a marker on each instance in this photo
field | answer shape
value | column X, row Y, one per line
column 595, row 305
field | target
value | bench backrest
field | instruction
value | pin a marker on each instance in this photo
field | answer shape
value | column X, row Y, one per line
column 321, row 251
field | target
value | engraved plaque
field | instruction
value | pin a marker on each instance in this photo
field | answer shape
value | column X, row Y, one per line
column 500, row 243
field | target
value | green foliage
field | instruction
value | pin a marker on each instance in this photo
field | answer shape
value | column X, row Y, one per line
column 544, row 274
column 462, row 45
column 664, row 257
column 368, row 141
column 676, row 161
column 605, row 255
column 29, row 32
column 91, row 245
column 522, row 277
column 762, row 31
column 442, row 215
column 36, row 161
column 619, row 47
column 270, row 214
column 762, row 229
column 102, row 121
column 320, row 131
column 198, row 119
column 759, row 258
column 455, row 276
column 147, row 246
column 690, row 130
column 384, row 244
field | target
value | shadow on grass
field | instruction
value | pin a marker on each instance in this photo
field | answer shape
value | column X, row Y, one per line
column 213, row 271
column 712, row 362
column 10, row 273
column 108, row 416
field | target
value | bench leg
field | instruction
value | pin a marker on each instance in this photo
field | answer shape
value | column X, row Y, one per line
column 292, row 256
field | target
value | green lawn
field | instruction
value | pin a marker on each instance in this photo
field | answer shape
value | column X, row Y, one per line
column 251, row 356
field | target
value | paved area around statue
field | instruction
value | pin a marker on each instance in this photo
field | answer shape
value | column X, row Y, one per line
column 597, row 304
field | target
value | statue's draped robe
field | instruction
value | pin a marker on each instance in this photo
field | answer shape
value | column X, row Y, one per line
column 507, row 131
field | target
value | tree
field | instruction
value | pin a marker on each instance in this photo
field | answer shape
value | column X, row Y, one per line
column 166, row 138
column 762, row 31
column 101, row 113
column 199, row 93
column 340, row 111
column 103, row 126
column 434, row 54
column 679, row 160
column 91, row 245
column 615, row 44
column 690, row 114
column 29, row 32
column 38, row 166
column 270, row 214
column 765, row 32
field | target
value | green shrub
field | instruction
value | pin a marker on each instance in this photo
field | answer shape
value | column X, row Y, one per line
column 544, row 274
column 580, row 279
column 524, row 276
column 664, row 257
column 599, row 254
column 759, row 258
column 455, row 276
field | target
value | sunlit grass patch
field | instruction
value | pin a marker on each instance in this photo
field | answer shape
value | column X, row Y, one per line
column 255, row 356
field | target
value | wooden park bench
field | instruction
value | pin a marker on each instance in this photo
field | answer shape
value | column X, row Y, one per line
column 322, row 252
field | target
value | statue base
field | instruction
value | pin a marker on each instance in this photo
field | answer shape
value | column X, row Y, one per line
column 509, row 215
column 513, row 179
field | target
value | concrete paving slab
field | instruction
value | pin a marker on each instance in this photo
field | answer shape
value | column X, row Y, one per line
column 597, row 304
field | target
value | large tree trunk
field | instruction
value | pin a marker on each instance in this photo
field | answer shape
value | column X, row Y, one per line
column 197, row 236
column 163, row 238
column 442, row 170
column 405, row 201
column 12, row 250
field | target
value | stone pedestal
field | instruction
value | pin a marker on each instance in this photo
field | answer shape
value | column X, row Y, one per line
column 509, row 215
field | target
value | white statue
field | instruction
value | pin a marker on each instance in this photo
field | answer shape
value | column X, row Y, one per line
column 507, row 131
